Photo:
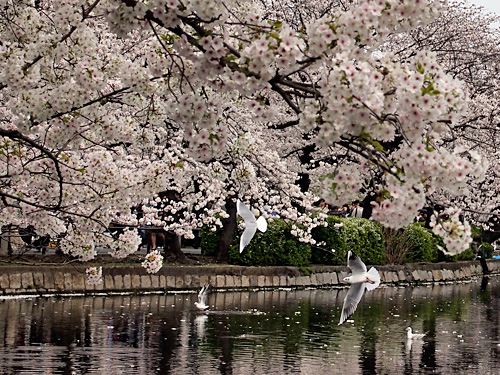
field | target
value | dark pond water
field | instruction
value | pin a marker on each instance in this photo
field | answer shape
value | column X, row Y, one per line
column 258, row 333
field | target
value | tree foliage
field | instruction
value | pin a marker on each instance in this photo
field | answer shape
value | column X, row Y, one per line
column 108, row 103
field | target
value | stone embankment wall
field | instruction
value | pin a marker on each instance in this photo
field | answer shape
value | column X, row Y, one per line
column 15, row 280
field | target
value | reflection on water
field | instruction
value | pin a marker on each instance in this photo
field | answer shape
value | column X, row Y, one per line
column 267, row 332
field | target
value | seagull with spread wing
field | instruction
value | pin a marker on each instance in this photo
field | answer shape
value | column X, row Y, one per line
column 359, row 280
column 201, row 304
column 251, row 224
column 413, row 336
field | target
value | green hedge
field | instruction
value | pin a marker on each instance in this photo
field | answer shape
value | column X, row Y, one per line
column 209, row 240
column 276, row 247
column 362, row 236
column 423, row 244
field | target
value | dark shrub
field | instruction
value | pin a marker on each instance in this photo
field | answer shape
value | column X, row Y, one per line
column 276, row 247
column 210, row 239
column 423, row 244
column 362, row 236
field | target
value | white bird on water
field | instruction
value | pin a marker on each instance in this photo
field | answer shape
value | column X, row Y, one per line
column 251, row 224
column 413, row 336
column 202, row 298
column 359, row 280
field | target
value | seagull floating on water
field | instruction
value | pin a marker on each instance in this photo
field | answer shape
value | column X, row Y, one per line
column 202, row 298
column 251, row 224
column 359, row 280
column 413, row 336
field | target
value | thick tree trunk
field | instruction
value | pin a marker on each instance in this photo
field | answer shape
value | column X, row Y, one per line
column 176, row 248
column 228, row 231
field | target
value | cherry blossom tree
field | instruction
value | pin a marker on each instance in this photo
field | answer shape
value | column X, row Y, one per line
column 106, row 103
column 467, row 46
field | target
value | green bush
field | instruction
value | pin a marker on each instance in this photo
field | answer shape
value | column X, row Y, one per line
column 276, row 247
column 329, row 238
column 365, row 237
column 210, row 239
column 485, row 250
column 423, row 244
column 362, row 236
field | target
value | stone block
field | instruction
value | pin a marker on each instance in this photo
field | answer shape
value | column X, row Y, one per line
column 188, row 281
column 385, row 277
column 59, row 280
column 204, row 280
column 109, row 282
column 283, row 281
column 245, row 281
column 401, row 276
column 170, row 281
column 303, row 281
column 179, row 282
column 118, row 282
column 253, row 281
column 394, row 277
column 416, row 275
column 313, row 280
column 14, row 281
column 145, row 282
column 276, row 282
column 326, row 278
column 27, row 280
column 230, row 281
column 79, row 282
column 38, row 280
column 195, row 281
column 127, row 282
column 68, row 282
column 437, row 275
column 335, row 279
column 450, row 274
column 48, row 281
column 99, row 286
column 291, row 281
column 466, row 271
column 212, row 280
column 268, row 281
column 136, row 281
column 155, row 281
column 261, row 281
column 220, row 281
column 163, row 282
column 4, row 281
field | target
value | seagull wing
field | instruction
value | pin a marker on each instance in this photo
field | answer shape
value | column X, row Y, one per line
column 247, row 235
column 262, row 224
column 351, row 301
column 250, row 224
column 245, row 213
column 202, row 295
column 355, row 263
column 374, row 276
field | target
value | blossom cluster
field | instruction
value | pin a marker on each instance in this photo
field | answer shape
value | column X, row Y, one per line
column 105, row 105
column 94, row 275
column 153, row 261
column 455, row 231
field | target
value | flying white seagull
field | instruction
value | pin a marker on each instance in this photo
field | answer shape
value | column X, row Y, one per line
column 202, row 298
column 359, row 280
column 413, row 336
column 251, row 224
